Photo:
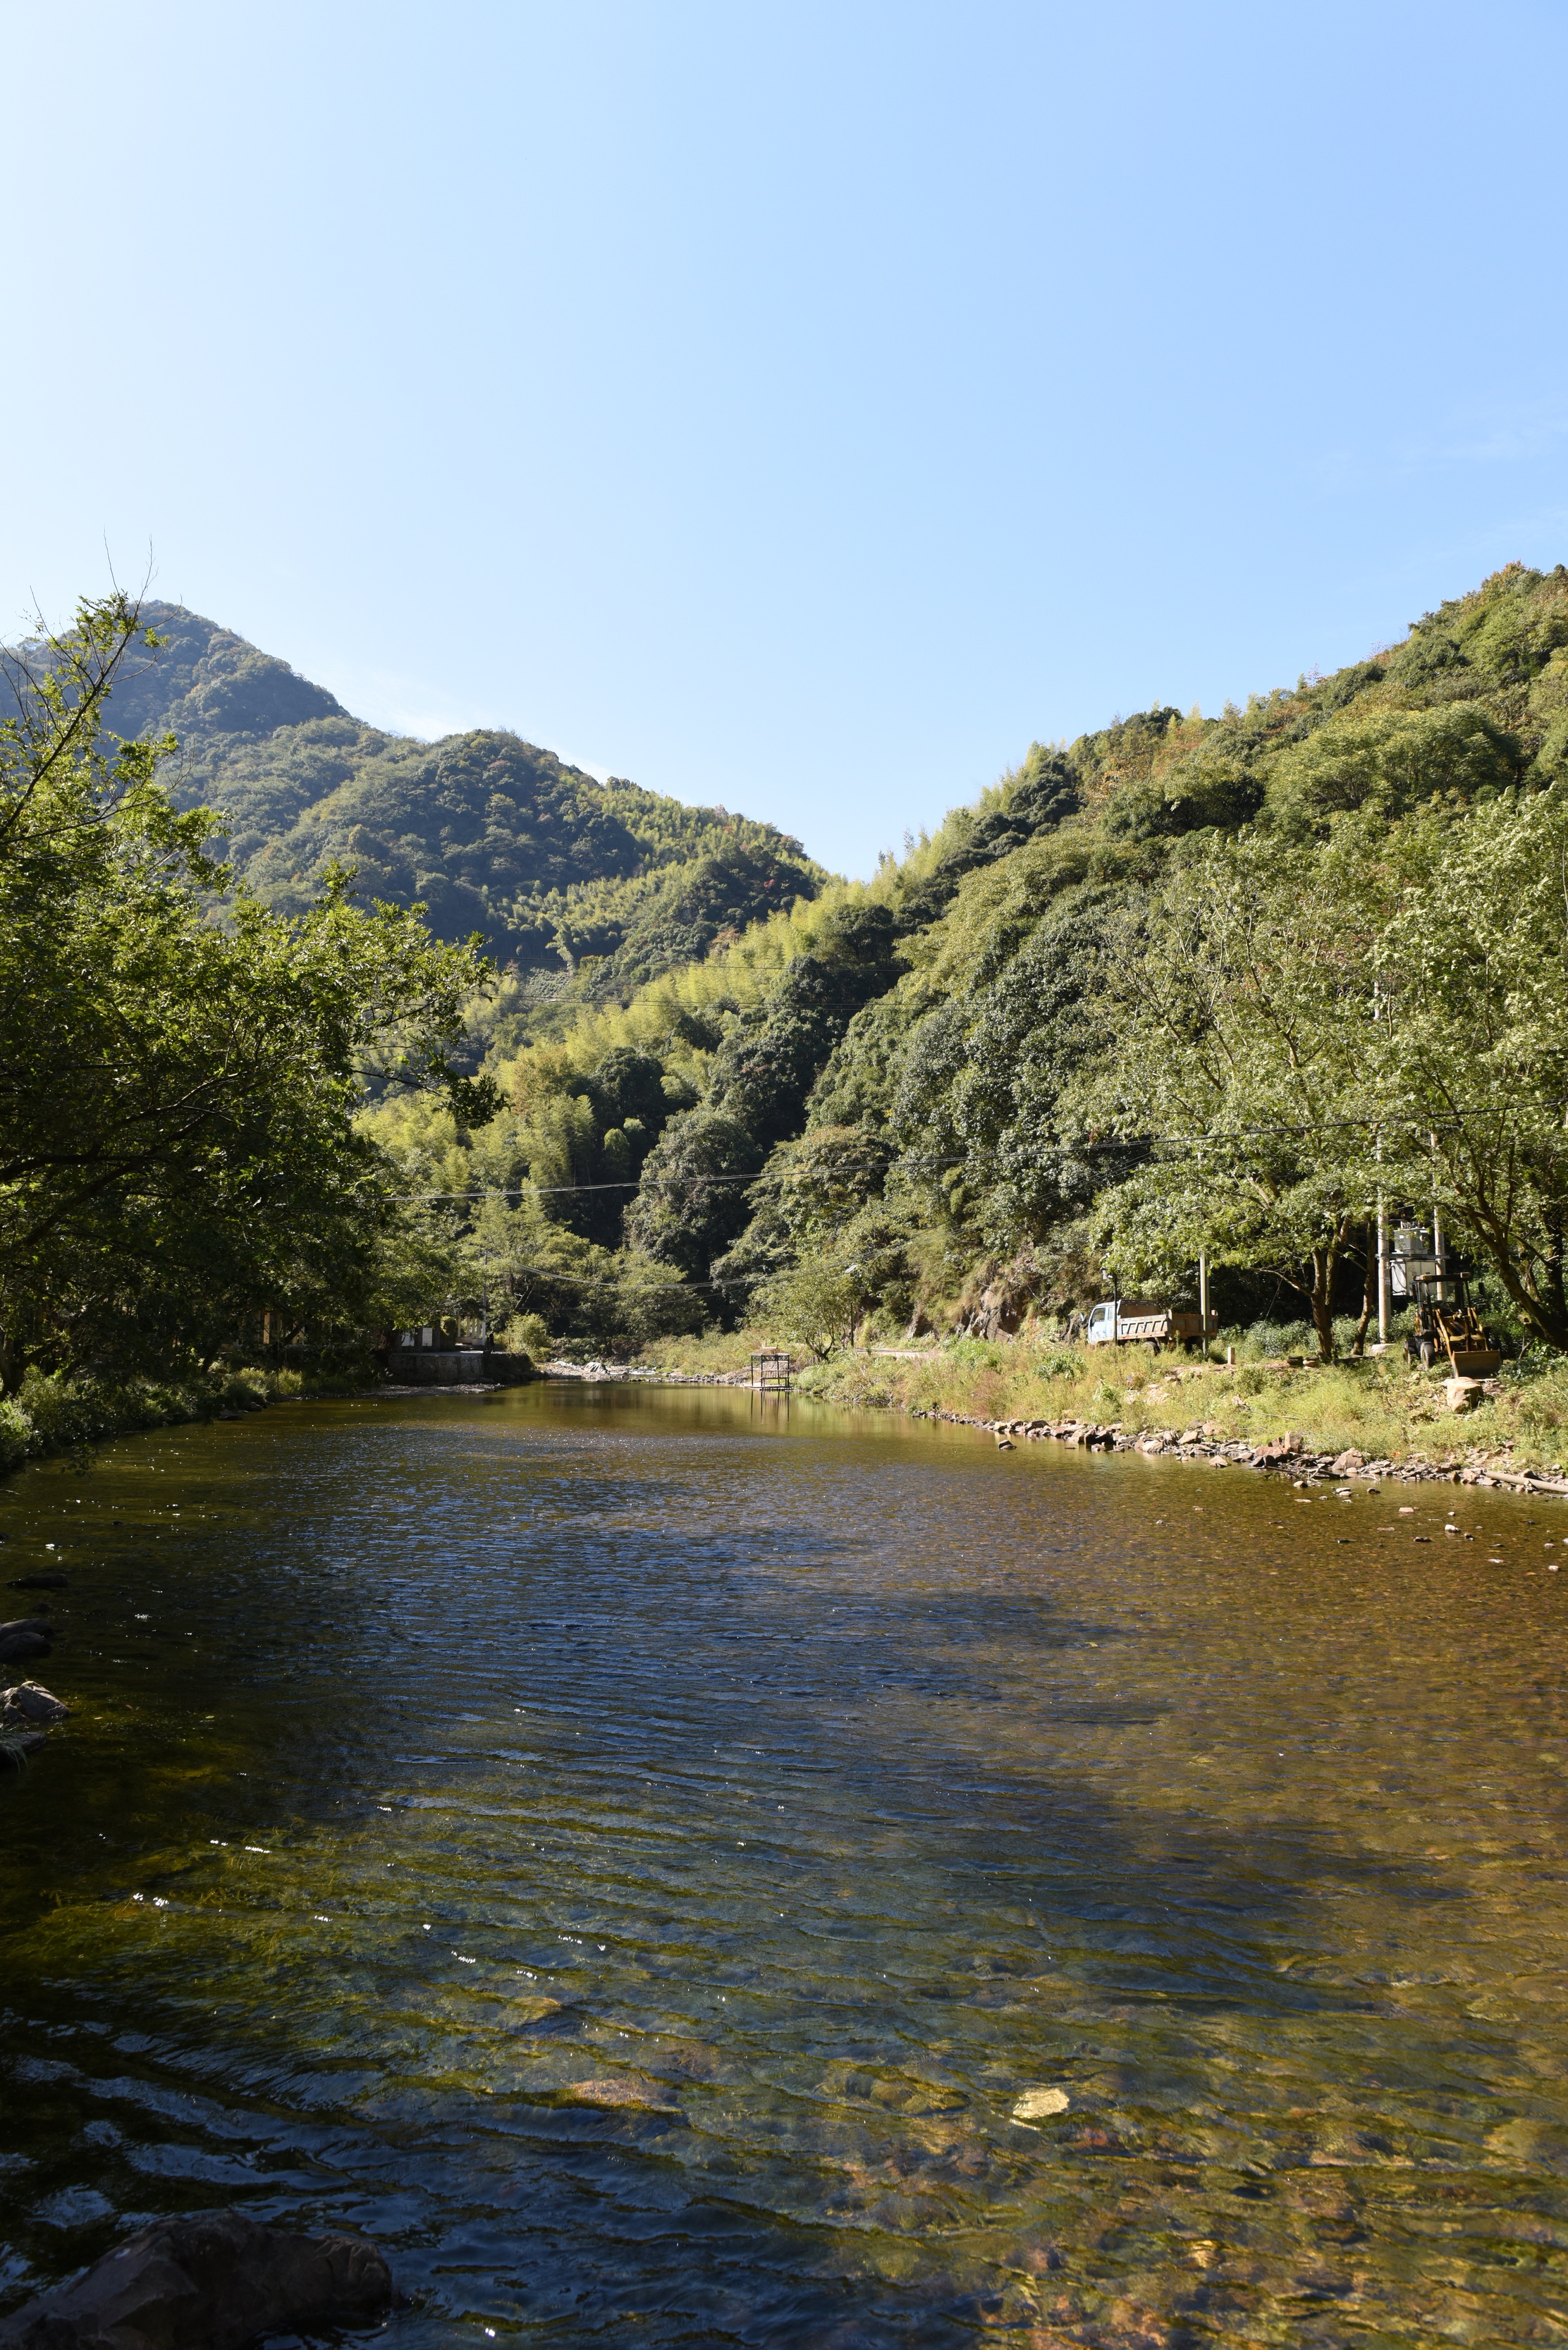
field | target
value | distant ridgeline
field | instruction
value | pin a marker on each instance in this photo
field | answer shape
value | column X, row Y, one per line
column 892, row 1058
column 493, row 834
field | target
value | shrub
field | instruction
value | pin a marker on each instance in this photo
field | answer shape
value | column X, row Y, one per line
column 527, row 1333
column 17, row 1436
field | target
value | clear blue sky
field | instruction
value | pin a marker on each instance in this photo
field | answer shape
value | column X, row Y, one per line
column 802, row 407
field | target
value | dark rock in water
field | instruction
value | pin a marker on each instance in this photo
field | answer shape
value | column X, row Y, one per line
column 39, row 1582
column 213, row 2281
column 28, row 1638
column 29, row 1701
column 24, row 1648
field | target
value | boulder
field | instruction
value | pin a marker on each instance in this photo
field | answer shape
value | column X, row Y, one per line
column 39, row 1583
column 1277, row 1448
column 26, row 1638
column 1463, row 1394
column 212, row 2281
column 1344, row 1463
column 28, row 1701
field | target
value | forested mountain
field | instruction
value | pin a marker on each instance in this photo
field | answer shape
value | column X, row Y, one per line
column 1163, row 988
column 493, row 834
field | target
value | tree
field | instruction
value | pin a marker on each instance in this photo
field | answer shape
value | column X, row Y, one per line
column 1238, row 1021
column 178, row 1068
column 815, row 1305
column 1297, row 1030
column 1471, row 968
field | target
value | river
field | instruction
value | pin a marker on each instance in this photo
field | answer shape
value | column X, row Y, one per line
column 632, row 1852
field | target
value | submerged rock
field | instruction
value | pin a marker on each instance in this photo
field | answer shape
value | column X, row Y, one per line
column 215, row 2281
column 39, row 1582
column 1035, row 2105
column 648, row 2095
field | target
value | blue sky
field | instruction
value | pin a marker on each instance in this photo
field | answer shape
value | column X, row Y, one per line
column 797, row 407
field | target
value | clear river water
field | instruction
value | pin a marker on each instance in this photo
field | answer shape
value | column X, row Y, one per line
column 676, row 1868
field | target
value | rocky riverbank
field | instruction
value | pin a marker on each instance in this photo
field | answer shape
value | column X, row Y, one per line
column 1289, row 1453
column 1398, row 1421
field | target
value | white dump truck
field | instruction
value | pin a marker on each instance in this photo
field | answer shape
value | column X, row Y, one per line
column 1134, row 1321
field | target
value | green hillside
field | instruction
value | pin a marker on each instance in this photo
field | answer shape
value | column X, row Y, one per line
column 555, row 870
column 1029, row 1056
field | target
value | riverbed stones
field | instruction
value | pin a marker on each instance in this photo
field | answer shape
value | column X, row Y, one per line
column 647, row 2096
column 211, row 2280
column 1209, row 1445
column 1037, row 2105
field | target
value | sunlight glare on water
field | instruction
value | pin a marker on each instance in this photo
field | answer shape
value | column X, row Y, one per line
column 677, row 1868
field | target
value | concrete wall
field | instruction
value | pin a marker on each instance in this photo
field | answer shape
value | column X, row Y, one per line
column 434, row 1366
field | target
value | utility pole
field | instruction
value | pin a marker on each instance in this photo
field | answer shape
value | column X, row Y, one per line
column 1382, row 1259
column 1203, row 1301
column 1382, row 1226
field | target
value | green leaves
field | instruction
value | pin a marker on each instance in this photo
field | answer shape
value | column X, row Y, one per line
column 178, row 1082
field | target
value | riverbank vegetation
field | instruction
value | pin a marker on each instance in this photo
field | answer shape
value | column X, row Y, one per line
column 1383, row 1407
column 1186, row 986
column 1380, row 1405
column 47, row 1416
column 182, row 1178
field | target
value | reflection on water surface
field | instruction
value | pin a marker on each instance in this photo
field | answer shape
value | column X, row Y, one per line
column 632, row 1853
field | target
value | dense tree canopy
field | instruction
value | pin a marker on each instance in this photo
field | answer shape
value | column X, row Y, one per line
column 1188, row 984
column 179, row 1147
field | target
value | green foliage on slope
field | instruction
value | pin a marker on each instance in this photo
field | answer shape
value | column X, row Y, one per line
column 972, row 1085
column 606, row 884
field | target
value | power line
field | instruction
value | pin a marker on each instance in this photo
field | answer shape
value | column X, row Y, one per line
column 509, row 1191
column 613, row 1281
column 1423, row 1123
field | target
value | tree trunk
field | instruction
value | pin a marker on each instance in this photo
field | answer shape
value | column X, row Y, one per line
column 1541, row 1304
column 1368, row 1292
column 1554, row 1300
column 1323, row 1301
